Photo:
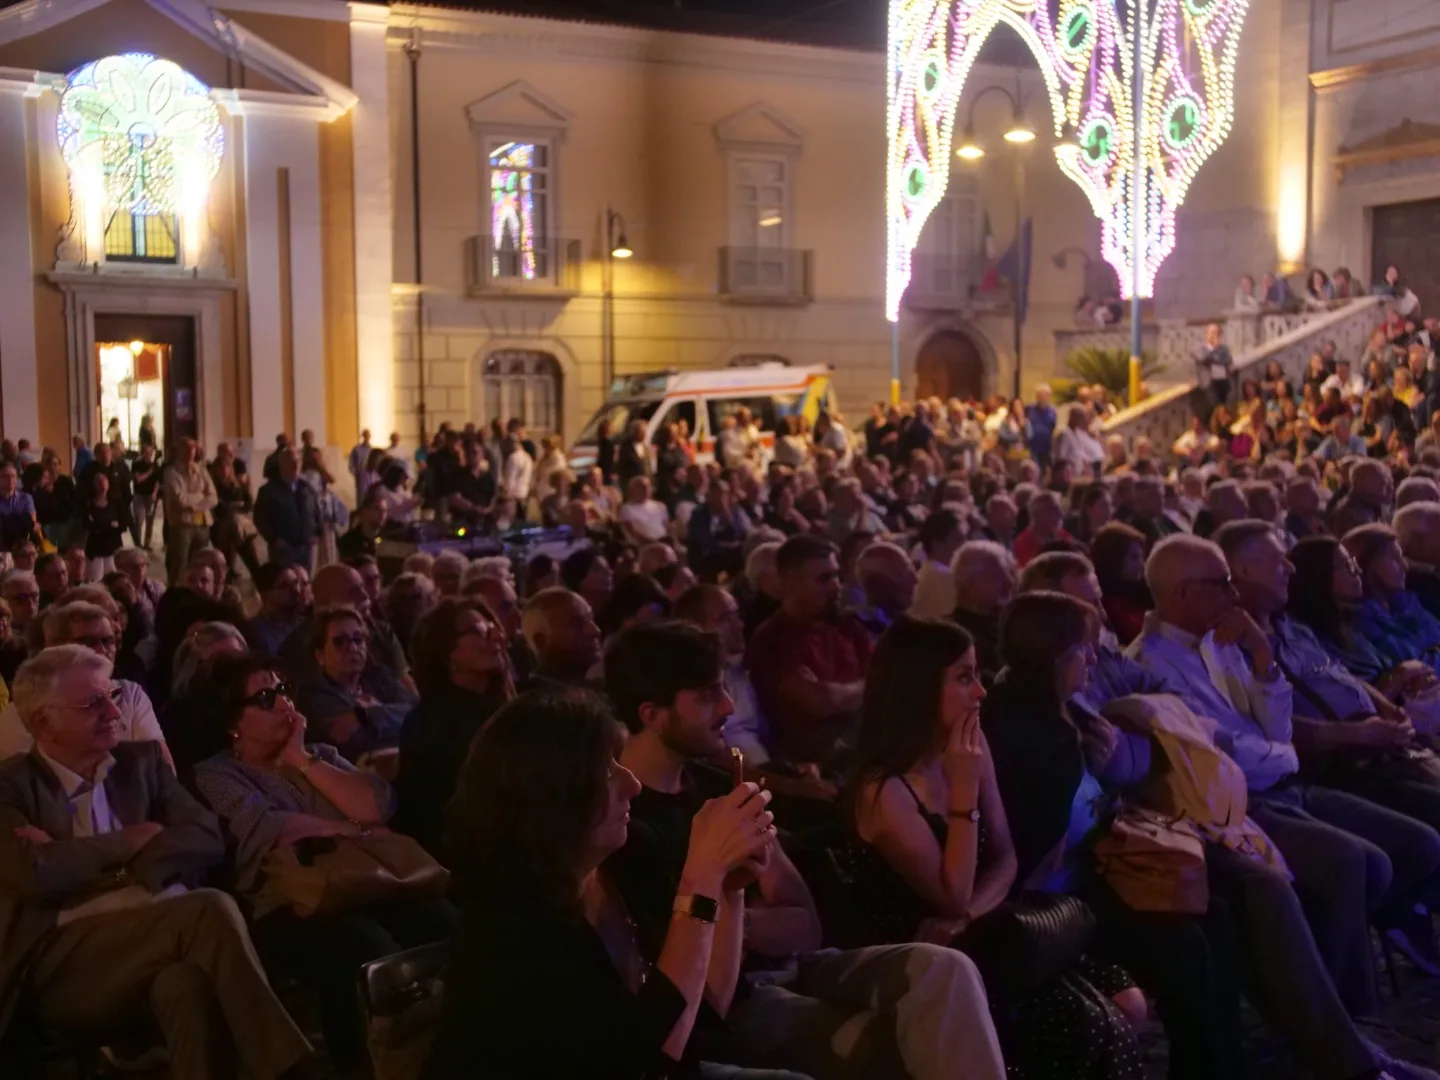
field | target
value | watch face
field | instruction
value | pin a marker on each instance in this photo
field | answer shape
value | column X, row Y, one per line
column 704, row 908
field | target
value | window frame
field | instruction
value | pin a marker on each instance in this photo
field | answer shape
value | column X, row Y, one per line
column 490, row 140
column 507, row 383
column 781, row 256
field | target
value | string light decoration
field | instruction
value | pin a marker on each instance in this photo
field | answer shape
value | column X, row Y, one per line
column 140, row 134
column 1086, row 55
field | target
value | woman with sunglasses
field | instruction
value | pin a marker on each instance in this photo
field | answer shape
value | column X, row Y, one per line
column 273, row 789
column 356, row 707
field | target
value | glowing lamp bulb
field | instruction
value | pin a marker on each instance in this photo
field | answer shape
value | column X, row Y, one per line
column 136, row 348
column 970, row 150
column 1019, row 133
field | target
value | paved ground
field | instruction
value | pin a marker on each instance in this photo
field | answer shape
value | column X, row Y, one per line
column 1408, row 1028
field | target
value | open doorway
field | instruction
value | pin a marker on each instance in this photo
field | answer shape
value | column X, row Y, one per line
column 145, row 370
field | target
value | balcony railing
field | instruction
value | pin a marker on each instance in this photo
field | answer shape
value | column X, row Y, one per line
column 547, row 267
column 951, row 282
column 765, row 276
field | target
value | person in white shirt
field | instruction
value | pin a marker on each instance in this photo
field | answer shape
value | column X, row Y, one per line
column 1211, row 653
column 1350, row 384
column 80, row 623
column 1246, row 302
column 1076, row 445
column 940, row 538
column 517, row 475
column 644, row 519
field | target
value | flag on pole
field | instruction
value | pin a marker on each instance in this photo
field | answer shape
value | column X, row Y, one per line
column 1013, row 268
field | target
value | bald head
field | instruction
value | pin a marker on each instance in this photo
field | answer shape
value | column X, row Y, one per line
column 1189, row 579
column 338, row 585
column 560, row 627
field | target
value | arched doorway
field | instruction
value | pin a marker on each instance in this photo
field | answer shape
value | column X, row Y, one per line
column 950, row 366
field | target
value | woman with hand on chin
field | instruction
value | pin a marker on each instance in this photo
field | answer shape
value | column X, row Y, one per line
column 547, row 979
column 934, row 853
column 271, row 789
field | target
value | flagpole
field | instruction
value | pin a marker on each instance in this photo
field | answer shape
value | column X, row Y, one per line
column 895, row 362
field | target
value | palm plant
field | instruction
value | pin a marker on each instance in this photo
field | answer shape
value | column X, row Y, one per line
column 1109, row 368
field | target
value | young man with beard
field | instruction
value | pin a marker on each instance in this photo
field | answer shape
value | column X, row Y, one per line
column 913, row 1010
column 808, row 660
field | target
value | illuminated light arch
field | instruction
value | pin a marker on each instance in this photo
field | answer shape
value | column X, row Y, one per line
column 1086, row 57
column 140, row 135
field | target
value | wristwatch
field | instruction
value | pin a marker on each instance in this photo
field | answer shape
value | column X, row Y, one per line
column 700, row 908
column 972, row 816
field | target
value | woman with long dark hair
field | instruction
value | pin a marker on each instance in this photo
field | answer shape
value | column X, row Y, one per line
column 546, row 979
column 1051, row 754
column 463, row 673
column 1358, row 620
column 1118, row 552
column 935, row 856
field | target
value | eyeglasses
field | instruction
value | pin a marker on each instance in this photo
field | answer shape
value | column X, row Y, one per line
column 265, row 698
column 25, row 597
column 103, row 642
column 356, row 640
column 93, row 705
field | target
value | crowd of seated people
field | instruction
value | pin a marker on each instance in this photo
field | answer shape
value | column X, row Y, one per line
column 776, row 770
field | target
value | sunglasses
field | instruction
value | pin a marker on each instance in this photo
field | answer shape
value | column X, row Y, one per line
column 265, row 699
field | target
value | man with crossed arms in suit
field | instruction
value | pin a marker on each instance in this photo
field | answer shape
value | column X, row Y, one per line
column 101, row 927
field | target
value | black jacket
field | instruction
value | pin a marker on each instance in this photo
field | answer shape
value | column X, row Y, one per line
column 288, row 517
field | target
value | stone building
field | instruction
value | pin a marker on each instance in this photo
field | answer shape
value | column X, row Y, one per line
column 277, row 215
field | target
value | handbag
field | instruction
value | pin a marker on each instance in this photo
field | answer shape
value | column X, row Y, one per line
column 1027, row 942
column 318, row 875
column 1154, row 863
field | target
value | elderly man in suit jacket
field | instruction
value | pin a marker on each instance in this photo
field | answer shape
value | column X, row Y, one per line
column 102, row 926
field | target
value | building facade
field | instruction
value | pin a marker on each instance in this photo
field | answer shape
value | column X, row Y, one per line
column 305, row 214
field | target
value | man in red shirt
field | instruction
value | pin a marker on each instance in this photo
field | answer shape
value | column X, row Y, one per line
column 808, row 660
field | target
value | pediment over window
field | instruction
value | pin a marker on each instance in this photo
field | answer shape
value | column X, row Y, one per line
column 1407, row 140
column 760, row 125
column 520, row 105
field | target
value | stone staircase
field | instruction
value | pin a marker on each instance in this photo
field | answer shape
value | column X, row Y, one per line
column 1164, row 415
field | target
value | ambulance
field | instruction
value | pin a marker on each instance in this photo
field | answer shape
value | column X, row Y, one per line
column 703, row 399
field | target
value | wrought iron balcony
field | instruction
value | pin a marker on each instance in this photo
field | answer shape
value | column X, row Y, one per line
column 766, row 276
column 547, row 267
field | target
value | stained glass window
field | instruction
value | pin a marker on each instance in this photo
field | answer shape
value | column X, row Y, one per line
column 519, row 208
column 142, row 138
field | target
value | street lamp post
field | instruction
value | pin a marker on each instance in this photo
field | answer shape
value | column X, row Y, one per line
column 616, row 247
column 1018, row 135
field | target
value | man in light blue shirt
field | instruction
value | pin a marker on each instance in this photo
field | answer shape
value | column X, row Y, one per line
column 1341, row 723
column 1218, row 659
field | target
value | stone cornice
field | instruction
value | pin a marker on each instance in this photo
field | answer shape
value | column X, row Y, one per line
column 518, row 36
column 1335, row 78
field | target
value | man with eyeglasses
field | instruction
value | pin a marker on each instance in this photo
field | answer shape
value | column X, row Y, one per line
column 1378, row 781
column 21, row 591
column 88, row 626
column 1211, row 652
column 101, row 917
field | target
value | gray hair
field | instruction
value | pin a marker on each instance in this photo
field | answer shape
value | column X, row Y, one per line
column 491, row 566
column 58, row 621
column 131, row 555
column 1416, row 489
column 761, row 559
column 421, row 562
column 24, row 577
column 192, row 659
column 450, row 560
column 981, row 556
column 34, row 684
column 1415, row 521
